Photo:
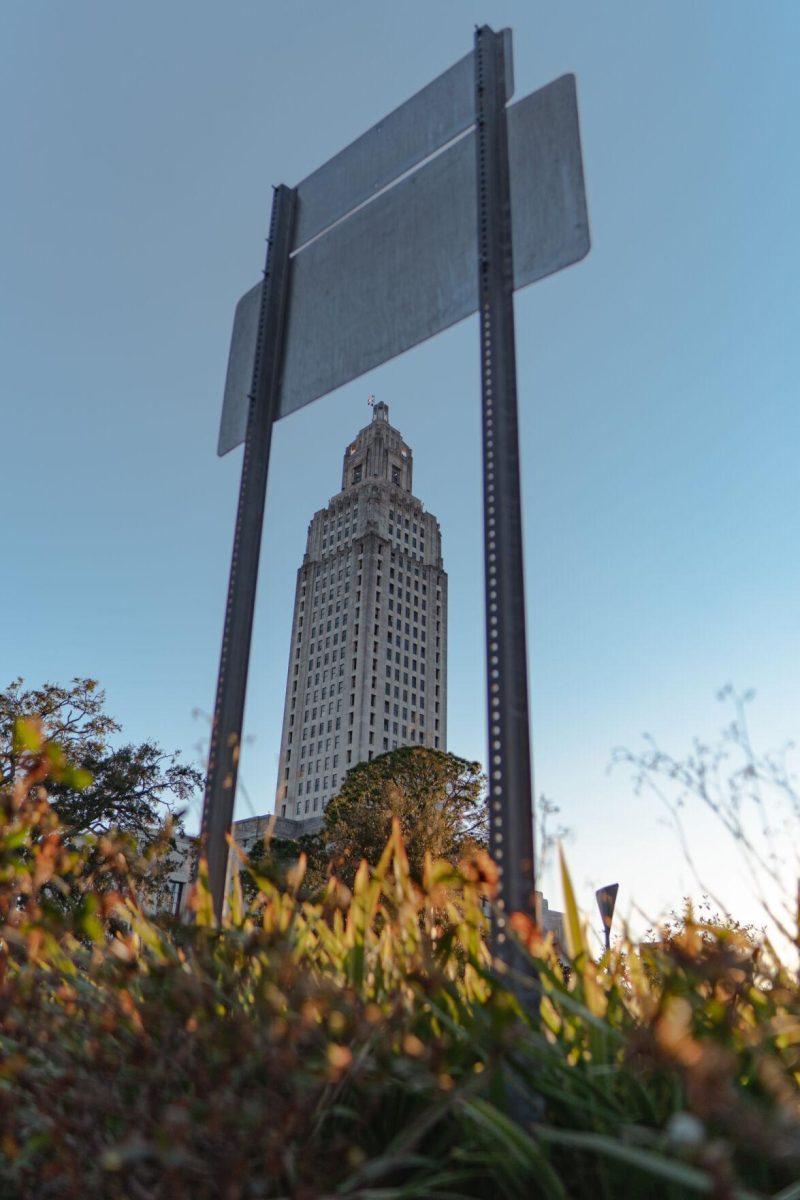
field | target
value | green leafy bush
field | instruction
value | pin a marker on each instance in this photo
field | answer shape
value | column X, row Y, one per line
column 363, row 1045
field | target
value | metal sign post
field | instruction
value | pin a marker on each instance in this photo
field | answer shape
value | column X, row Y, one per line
column 370, row 255
column 226, row 729
column 510, row 788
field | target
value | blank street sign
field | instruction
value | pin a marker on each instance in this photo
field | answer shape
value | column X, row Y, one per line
column 449, row 203
column 412, row 247
column 421, row 125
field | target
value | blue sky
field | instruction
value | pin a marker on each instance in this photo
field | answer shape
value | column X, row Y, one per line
column 657, row 379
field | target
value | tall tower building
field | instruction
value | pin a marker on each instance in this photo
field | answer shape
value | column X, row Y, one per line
column 368, row 659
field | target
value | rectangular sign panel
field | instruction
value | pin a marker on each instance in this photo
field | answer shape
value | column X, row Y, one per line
column 239, row 379
column 418, row 128
column 404, row 266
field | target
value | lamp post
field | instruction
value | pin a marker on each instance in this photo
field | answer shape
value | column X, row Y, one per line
column 606, row 900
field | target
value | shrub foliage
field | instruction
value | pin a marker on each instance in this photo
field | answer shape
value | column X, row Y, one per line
column 363, row 1045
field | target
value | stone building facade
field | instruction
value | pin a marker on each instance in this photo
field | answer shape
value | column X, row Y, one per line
column 368, row 659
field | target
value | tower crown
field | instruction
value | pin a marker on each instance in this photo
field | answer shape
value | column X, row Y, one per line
column 378, row 454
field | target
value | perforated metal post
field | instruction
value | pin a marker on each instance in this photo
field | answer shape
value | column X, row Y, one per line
column 226, row 731
column 510, row 786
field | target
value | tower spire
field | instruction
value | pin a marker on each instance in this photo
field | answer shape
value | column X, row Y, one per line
column 380, row 411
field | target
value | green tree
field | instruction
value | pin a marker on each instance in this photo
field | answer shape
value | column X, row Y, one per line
column 276, row 859
column 136, row 790
column 437, row 797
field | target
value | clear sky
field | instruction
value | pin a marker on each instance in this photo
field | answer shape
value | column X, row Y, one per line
column 657, row 379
